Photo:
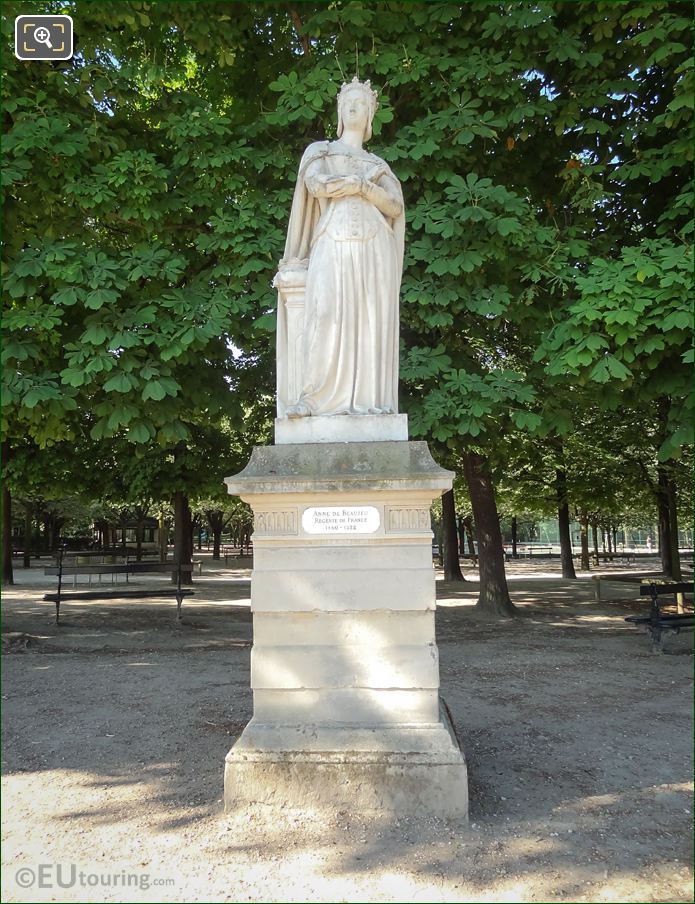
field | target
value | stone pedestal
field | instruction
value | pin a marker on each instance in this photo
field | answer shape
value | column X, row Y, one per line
column 344, row 666
column 348, row 428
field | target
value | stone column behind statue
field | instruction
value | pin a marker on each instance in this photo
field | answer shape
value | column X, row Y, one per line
column 344, row 666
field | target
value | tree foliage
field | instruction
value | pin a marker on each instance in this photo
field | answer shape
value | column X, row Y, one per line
column 545, row 156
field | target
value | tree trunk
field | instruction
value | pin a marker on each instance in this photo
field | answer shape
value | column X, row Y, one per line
column 437, row 532
column 469, row 535
column 183, row 546
column 56, row 524
column 494, row 593
column 594, row 537
column 515, row 535
column 28, row 527
column 7, row 573
column 615, row 538
column 608, row 535
column 163, row 538
column 452, row 567
column 216, row 542
column 563, row 517
column 36, row 539
column 584, row 539
column 664, row 511
column 215, row 519
column 461, row 530
column 673, row 531
column 139, row 532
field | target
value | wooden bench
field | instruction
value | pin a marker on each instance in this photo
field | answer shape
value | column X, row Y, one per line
column 530, row 551
column 626, row 557
column 234, row 552
column 126, row 553
column 70, row 559
column 127, row 568
column 657, row 622
column 621, row 577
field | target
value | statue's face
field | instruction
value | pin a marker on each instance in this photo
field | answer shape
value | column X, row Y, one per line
column 355, row 111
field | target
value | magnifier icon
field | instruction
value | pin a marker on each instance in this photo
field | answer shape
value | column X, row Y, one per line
column 43, row 36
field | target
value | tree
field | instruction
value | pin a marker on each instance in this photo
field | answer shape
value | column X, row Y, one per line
column 125, row 298
column 494, row 594
column 542, row 263
column 452, row 566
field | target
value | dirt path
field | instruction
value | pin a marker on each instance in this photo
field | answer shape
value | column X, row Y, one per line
column 116, row 724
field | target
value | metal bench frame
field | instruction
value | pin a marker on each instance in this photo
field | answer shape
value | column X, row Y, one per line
column 126, row 568
column 656, row 623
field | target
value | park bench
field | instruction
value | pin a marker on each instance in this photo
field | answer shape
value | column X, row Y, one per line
column 620, row 577
column 627, row 557
column 108, row 559
column 63, row 570
column 107, row 552
column 657, row 622
column 236, row 552
column 531, row 551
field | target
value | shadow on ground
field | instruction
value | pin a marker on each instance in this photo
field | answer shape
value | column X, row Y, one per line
column 578, row 741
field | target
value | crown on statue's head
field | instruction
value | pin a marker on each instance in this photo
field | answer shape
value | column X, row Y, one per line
column 357, row 85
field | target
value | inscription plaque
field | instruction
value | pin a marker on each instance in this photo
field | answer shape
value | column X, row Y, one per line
column 341, row 519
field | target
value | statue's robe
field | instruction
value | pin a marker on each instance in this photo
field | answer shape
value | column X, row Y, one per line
column 349, row 353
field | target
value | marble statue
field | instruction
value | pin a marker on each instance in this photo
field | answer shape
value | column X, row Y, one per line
column 345, row 668
column 339, row 279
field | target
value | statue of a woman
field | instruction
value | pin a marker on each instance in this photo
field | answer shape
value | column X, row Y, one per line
column 346, row 228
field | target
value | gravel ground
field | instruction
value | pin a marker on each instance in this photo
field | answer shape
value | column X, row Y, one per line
column 116, row 724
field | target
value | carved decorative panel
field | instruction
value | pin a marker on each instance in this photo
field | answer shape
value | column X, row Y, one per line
column 275, row 522
column 401, row 518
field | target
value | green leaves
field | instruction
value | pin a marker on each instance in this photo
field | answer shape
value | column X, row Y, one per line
column 120, row 382
column 421, row 363
column 66, row 297
column 158, row 389
column 41, row 393
column 467, row 405
column 95, row 300
column 73, row 376
column 139, row 432
column 507, row 225
column 527, row 420
column 608, row 367
column 543, row 153
column 95, row 334
column 284, row 83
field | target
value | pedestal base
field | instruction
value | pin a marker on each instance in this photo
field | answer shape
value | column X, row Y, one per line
column 363, row 428
column 344, row 665
column 404, row 770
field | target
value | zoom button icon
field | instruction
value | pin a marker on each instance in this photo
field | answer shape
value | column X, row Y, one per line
column 43, row 37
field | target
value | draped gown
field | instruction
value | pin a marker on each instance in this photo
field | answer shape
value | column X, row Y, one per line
column 355, row 258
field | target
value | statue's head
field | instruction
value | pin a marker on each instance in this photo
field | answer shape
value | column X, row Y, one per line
column 357, row 104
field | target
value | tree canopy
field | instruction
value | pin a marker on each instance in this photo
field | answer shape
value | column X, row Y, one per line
column 545, row 155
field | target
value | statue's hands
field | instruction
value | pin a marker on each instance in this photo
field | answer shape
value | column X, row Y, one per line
column 353, row 185
column 376, row 172
column 344, row 186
